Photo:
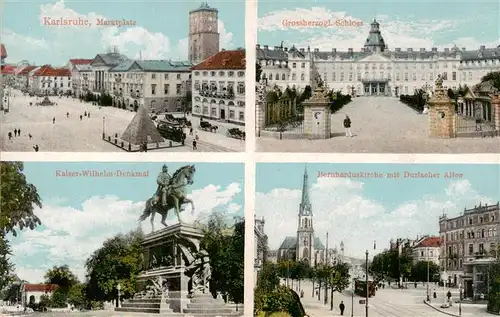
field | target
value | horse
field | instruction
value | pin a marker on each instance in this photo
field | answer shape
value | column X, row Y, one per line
column 176, row 197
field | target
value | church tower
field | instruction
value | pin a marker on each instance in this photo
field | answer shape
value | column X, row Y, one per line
column 203, row 33
column 375, row 42
column 305, row 230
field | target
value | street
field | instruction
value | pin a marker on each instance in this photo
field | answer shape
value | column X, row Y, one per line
column 388, row 302
column 70, row 134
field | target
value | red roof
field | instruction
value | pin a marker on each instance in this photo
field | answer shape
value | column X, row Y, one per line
column 26, row 70
column 47, row 70
column 431, row 242
column 46, row 288
column 80, row 61
column 3, row 51
column 8, row 69
column 223, row 60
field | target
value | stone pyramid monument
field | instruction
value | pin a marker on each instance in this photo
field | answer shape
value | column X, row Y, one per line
column 141, row 129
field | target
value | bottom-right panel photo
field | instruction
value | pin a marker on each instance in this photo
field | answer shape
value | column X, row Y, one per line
column 402, row 240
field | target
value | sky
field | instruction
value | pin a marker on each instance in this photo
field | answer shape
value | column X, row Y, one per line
column 80, row 213
column 404, row 24
column 160, row 31
column 360, row 211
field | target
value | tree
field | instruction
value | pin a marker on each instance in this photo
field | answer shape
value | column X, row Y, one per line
column 76, row 295
column 258, row 72
column 59, row 298
column 119, row 260
column 18, row 201
column 494, row 77
column 338, row 280
column 61, row 276
column 268, row 278
column 419, row 271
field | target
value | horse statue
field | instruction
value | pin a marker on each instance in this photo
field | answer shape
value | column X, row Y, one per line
column 176, row 197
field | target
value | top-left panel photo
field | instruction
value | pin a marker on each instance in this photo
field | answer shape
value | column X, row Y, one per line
column 123, row 77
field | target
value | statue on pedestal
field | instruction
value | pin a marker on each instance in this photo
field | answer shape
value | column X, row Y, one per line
column 170, row 194
column 200, row 272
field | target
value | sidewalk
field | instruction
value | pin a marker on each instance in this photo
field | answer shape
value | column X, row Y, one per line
column 473, row 310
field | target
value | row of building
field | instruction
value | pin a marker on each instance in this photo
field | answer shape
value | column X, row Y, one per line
column 376, row 70
column 211, row 84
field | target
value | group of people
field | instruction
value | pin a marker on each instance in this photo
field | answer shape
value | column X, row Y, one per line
column 17, row 133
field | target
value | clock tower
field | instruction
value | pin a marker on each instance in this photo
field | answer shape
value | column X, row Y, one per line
column 203, row 33
column 305, row 231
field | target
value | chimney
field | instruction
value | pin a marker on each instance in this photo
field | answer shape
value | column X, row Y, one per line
column 350, row 50
column 398, row 49
column 286, row 49
column 422, row 50
column 302, row 50
column 482, row 48
column 266, row 47
column 434, row 49
column 410, row 50
column 258, row 46
column 316, row 50
column 446, row 50
column 334, row 50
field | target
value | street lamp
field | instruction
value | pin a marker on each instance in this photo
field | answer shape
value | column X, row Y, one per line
column 444, row 277
column 428, row 294
column 367, row 288
column 352, row 298
column 103, row 129
column 119, row 287
column 460, row 301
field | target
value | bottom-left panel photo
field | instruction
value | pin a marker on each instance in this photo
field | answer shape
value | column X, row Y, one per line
column 118, row 239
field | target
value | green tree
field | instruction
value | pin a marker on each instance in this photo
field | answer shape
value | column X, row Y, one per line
column 18, row 201
column 419, row 271
column 494, row 77
column 338, row 279
column 76, row 295
column 62, row 276
column 119, row 260
column 59, row 298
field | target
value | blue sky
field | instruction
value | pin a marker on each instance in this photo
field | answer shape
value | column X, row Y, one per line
column 379, row 208
column 405, row 24
column 161, row 29
column 79, row 213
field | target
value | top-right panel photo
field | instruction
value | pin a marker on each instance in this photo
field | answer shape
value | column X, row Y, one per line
column 384, row 77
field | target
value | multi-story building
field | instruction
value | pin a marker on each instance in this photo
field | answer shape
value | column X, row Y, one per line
column 51, row 81
column 219, row 87
column 427, row 250
column 160, row 85
column 203, row 33
column 101, row 65
column 376, row 70
column 468, row 237
column 80, row 75
column 22, row 77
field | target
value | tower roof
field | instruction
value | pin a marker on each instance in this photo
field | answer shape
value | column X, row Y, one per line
column 375, row 39
column 305, row 204
column 204, row 7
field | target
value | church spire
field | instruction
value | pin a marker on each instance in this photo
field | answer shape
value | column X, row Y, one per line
column 305, row 203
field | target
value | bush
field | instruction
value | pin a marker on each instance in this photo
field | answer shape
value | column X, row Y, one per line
column 282, row 300
column 415, row 101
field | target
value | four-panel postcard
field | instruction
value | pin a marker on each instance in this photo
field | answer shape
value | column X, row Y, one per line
column 360, row 173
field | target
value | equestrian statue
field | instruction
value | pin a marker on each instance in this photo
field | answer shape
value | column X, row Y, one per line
column 170, row 194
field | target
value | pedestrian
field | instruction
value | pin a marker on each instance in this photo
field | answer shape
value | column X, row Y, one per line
column 81, row 117
column 85, row 114
column 191, row 131
column 67, row 114
column 54, row 120
column 15, row 132
column 36, row 148
column 194, row 145
column 30, row 136
column 18, row 132
column 347, row 126
column 342, row 308
column 301, row 293
column 10, row 135
column 449, row 296
column 88, row 115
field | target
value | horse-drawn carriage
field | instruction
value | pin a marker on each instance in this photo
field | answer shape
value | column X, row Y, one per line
column 207, row 126
column 236, row 133
column 171, row 131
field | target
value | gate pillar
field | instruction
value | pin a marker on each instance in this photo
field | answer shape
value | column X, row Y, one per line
column 442, row 117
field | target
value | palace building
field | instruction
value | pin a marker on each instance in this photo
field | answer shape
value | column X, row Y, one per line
column 375, row 70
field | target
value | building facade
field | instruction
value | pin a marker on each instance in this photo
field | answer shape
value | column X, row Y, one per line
column 427, row 250
column 375, row 70
column 101, row 65
column 470, row 236
column 203, row 33
column 31, row 293
column 305, row 246
column 219, row 87
column 80, row 70
column 47, row 80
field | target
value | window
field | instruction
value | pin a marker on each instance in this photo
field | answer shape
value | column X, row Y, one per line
column 166, row 88
column 153, row 89
column 166, row 75
column 277, row 77
column 178, row 88
column 470, row 221
column 205, row 110
column 205, row 73
column 283, row 77
column 406, row 76
column 179, row 76
column 334, row 77
column 231, row 114
column 471, row 248
column 241, row 88
column 61, row 85
column 294, row 65
column 421, row 253
column 342, row 76
column 303, row 65
column 302, row 77
column 231, row 74
column 153, row 76
column 454, row 75
column 431, row 254
column 212, row 74
column 241, row 74
column 271, row 76
column 242, row 116
column 221, row 73
column 294, row 77
column 195, row 73
column 214, row 112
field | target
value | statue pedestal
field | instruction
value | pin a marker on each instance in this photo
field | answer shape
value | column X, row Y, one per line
column 317, row 118
column 166, row 256
column 441, row 115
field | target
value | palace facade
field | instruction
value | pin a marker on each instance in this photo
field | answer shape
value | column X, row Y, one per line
column 375, row 70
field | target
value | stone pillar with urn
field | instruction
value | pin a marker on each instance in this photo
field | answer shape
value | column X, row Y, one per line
column 317, row 118
column 441, row 113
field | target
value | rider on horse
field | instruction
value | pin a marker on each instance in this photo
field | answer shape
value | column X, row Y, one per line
column 163, row 181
